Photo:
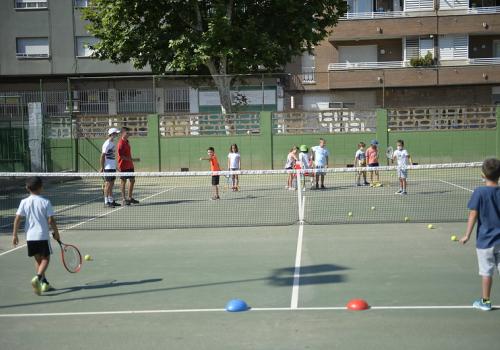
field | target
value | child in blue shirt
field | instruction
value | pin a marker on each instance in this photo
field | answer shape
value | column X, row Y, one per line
column 484, row 206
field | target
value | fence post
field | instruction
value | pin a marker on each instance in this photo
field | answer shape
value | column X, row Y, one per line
column 497, row 112
column 154, row 137
column 382, row 133
column 266, row 133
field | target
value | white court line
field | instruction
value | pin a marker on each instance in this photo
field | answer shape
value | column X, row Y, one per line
column 264, row 309
column 65, row 208
column 296, row 274
column 92, row 219
column 455, row 185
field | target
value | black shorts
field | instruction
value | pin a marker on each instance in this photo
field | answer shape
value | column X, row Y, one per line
column 41, row 248
column 110, row 178
column 372, row 165
column 215, row 180
column 127, row 177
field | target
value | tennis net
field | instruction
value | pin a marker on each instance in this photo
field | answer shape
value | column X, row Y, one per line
column 436, row 193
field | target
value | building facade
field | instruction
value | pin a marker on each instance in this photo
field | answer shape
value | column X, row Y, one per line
column 403, row 53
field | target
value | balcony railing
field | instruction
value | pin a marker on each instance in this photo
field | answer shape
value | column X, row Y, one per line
column 368, row 65
column 31, row 4
column 483, row 10
column 32, row 55
column 308, row 75
column 406, row 64
column 399, row 14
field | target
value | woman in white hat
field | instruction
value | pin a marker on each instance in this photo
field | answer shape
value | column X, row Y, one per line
column 108, row 165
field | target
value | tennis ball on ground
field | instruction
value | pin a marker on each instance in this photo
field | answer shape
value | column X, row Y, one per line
column 454, row 238
column 407, row 219
column 88, row 257
column 349, row 213
column 389, row 129
column 372, row 208
column 430, row 226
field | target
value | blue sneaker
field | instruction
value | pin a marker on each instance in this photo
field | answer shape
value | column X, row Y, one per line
column 482, row 305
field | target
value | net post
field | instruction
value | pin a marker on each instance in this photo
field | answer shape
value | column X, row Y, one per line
column 382, row 134
column 497, row 113
column 154, row 137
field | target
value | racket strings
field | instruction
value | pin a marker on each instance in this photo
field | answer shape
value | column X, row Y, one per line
column 72, row 258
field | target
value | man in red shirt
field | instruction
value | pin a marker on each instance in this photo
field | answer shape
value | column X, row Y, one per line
column 126, row 165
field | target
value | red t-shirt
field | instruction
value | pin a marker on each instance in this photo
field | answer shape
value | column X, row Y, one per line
column 124, row 151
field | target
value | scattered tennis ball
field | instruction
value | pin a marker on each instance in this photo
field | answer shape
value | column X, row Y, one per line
column 372, row 208
column 407, row 219
column 349, row 213
column 430, row 226
column 454, row 238
column 389, row 129
column 88, row 257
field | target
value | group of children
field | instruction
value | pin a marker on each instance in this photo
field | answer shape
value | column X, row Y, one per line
column 370, row 158
column 314, row 164
column 484, row 207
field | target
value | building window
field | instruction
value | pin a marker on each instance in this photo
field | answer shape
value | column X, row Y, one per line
column 453, row 47
column 31, row 4
column 82, row 3
column 84, row 45
column 176, row 100
column 32, row 47
column 308, row 68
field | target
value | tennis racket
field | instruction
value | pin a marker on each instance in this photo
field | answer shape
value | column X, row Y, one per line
column 389, row 152
column 71, row 257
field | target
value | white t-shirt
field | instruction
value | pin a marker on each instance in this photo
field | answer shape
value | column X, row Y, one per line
column 234, row 160
column 360, row 157
column 402, row 157
column 304, row 160
column 36, row 210
column 108, row 149
column 320, row 155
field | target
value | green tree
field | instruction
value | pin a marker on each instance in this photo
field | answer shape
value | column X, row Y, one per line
column 220, row 37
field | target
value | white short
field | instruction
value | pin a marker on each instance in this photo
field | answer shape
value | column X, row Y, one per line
column 488, row 259
column 402, row 173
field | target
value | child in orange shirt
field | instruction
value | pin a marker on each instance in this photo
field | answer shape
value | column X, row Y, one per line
column 214, row 166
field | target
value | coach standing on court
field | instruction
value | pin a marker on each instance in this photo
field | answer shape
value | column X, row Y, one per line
column 108, row 165
column 320, row 157
column 126, row 165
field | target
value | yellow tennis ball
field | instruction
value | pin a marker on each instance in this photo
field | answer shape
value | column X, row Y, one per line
column 454, row 238
column 407, row 219
column 430, row 226
column 349, row 213
column 372, row 208
column 88, row 257
column 389, row 129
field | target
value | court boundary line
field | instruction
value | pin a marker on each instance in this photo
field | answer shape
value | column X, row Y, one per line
column 91, row 219
column 296, row 273
column 257, row 309
column 455, row 185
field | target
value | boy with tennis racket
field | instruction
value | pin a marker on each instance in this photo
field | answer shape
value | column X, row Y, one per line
column 483, row 205
column 403, row 159
column 38, row 214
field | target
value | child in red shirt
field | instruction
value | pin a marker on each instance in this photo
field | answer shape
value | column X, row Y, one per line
column 214, row 166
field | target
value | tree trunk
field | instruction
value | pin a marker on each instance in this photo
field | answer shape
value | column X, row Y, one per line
column 223, row 84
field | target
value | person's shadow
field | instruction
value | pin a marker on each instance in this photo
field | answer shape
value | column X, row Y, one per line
column 99, row 285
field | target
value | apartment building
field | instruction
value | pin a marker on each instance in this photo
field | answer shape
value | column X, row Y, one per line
column 375, row 56
column 43, row 42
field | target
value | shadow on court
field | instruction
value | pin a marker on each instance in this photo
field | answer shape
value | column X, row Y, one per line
column 309, row 275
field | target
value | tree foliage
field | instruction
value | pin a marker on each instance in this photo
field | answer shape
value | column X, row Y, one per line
column 219, row 36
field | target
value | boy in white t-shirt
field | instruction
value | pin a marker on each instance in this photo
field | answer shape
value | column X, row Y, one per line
column 403, row 158
column 108, row 165
column 360, row 162
column 39, row 215
column 234, row 164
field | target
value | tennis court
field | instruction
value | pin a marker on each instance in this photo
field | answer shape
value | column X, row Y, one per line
column 162, row 271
